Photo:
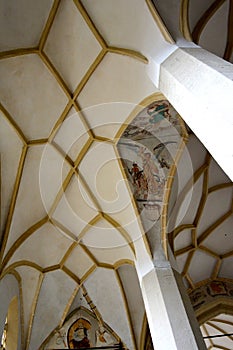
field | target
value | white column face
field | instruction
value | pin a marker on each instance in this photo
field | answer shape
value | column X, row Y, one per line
column 157, row 314
column 199, row 85
column 170, row 326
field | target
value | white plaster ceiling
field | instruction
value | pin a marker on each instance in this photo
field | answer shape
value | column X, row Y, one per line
column 215, row 329
column 67, row 217
column 201, row 218
column 70, row 78
column 207, row 19
column 206, row 23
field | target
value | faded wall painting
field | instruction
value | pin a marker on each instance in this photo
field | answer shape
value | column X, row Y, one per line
column 148, row 148
column 78, row 336
column 210, row 292
column 82, row 330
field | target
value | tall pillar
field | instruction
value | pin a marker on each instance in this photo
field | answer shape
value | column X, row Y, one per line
column 171, row 318
column 172, row 326
column 200, row 87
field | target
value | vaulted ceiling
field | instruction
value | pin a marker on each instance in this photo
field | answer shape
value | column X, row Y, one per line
column 74, row 75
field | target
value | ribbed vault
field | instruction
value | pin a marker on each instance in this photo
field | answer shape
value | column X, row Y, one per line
column 72, row 82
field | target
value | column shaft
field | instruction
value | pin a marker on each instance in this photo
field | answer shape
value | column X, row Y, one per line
column 170, row 326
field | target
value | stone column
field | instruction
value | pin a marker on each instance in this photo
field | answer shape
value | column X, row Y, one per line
column 200, row 87
column 171, row 318
column 172, row 325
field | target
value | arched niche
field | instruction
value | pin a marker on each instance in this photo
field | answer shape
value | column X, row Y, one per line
column 81, row 325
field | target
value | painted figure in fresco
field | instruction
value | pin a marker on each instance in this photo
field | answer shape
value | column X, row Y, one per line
column 103, row 338
column 80, row 337
column 135, row 171
column 158, row 112
column 143, row 191
column 150, row 171
column 137, row 177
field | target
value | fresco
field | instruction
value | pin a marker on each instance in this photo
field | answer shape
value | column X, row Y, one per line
column 78, row 336
column 148, row 148
column 209, row 292
column 82, row 330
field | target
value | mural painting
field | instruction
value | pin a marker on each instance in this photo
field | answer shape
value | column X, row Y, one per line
column 104, row 338
column 78, row 337
column 217, row 288
column 209, row 292
column 148, row 148
column 82, row 330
